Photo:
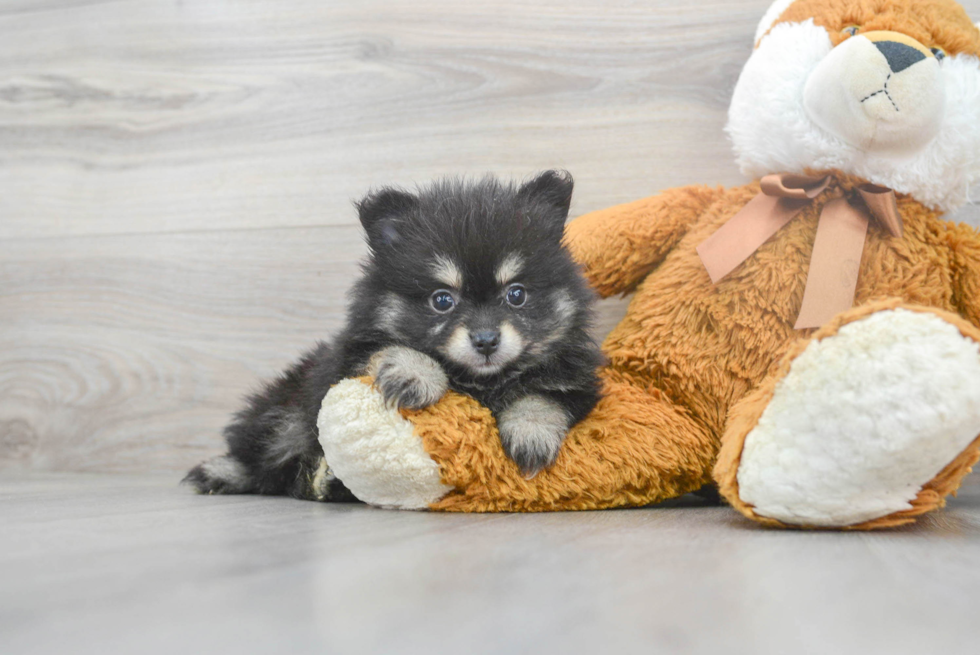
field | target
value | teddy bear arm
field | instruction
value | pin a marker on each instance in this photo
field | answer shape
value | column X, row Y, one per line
column 619, row 246
column 966, row 272
column 634, row 448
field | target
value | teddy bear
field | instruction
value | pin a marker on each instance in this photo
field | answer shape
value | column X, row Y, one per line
column 808, row 342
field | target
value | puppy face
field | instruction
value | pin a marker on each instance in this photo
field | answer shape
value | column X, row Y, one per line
column 475, row 274
column 888, row 91
column 493, row 316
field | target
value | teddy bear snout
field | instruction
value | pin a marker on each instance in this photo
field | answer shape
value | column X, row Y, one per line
column 878, row 92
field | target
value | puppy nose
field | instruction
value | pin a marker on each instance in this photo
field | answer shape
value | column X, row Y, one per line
column 486, row 341
column 899, row 55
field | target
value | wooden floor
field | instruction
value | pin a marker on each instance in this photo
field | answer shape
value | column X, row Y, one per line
column 121, row 564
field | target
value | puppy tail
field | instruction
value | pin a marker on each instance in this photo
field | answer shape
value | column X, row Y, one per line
column 272, row 442
column 268, row 450
column 271, row 452
column 227, row 475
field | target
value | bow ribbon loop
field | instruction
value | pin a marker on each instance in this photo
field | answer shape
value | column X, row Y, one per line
column 883, row 206
column 797, row 187
column 837, row 247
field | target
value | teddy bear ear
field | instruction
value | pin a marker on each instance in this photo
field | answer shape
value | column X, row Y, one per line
column 772, row 14
column 380, row 213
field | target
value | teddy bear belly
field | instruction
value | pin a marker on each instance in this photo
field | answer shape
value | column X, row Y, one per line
column 707, row 345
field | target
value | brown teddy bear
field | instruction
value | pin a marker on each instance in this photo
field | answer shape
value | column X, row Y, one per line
column 808, row 342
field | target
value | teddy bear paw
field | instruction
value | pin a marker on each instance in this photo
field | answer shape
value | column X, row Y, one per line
column 863, row 421
column 374, row 450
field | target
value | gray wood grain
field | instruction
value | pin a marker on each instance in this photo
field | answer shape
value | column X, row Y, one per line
column 129, row 351
column 176, row 177
column 114, row 564
column 161, row 116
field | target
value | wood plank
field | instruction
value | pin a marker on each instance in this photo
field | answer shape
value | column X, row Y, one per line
column 134, row 116
column 130, row 351
column 159, row 116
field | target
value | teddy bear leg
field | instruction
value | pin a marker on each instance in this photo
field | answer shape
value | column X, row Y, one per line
column 869, row 423
column 635, row 448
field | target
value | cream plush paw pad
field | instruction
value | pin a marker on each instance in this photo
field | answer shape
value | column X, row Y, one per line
column 862, row 421
column 374, row 451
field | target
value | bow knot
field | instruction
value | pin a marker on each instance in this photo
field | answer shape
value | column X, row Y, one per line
column 837, row 248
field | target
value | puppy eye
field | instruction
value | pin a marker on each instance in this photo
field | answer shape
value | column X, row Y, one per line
column 516, row 295
column 939, row 53
column 442, row 301
column 850, row 30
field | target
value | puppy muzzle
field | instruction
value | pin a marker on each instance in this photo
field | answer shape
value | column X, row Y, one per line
column 485, row 351
column 485, row 342
column 881, row 92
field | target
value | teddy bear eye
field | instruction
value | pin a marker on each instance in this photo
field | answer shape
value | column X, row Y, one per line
column 850, row 30
column 939, row 53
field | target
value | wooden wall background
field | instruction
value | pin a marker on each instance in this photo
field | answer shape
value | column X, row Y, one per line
column 176, row 177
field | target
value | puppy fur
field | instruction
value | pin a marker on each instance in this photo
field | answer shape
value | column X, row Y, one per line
column 467, row 287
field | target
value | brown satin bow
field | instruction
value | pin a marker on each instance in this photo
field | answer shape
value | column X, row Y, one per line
column 837, row 248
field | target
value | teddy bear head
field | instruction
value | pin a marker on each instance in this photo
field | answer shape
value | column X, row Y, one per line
column 886, row 90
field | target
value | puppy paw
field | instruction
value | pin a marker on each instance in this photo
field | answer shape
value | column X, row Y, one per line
column 407, row 378
column 219, row 475
column 532, row 431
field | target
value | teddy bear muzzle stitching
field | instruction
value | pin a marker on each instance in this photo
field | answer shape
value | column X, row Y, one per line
column 879, row 91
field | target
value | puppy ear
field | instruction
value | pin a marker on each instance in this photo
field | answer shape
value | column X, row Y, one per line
column 380, row 213
column 552, row 189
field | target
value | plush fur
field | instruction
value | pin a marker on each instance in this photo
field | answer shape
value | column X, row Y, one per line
column 694, row 365
column 467, row 287
column 772, row 14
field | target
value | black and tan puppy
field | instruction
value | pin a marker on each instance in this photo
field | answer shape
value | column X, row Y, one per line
column 467, row 287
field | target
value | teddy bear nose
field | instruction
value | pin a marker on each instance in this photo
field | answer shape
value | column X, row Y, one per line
column 899, row 55
column 486, row 342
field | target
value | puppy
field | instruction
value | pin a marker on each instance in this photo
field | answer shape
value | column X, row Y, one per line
column 467, row 287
